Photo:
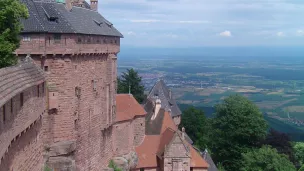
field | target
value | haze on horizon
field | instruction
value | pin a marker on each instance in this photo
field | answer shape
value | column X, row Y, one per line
column 174, row 23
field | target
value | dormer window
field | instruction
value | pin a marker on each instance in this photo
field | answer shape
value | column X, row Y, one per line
column 57, row 38
column 53, row 19
column 26, row 38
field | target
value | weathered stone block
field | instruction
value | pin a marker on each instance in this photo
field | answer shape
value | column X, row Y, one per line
column 62, row 148
column 61, row 164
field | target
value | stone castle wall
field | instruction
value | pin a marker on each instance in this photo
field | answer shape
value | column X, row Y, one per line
column 82, row 106
column 139, row 130
column 123, row 137
column 25, row 153
column 20, row 141
column 44, row 44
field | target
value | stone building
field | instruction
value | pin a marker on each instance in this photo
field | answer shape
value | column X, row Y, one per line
column 77, row 49
column 22, row 104
column 165, row 147
column 162, row 92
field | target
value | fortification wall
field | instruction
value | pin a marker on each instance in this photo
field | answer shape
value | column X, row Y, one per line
column 19, row 132
column 139, row 130
column 123, row 137
column 43, row 44
column 25, row 153
column 82, row 105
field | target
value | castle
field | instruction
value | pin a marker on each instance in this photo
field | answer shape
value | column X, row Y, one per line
column 59, row 107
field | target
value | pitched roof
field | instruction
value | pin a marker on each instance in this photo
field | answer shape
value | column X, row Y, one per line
column 207, row 157
column 147, row 151
column 16, row 79
column 161, row 91
column 196, row 159
column 159, row 133
column 128, row 107
column 55, row 18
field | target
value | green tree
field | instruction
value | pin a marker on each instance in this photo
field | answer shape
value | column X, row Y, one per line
column 130, row 80
column 301, row 169
column 196, row 125
column 299, row 152
column 11, row 11
column 265, row 159
column 238, row 126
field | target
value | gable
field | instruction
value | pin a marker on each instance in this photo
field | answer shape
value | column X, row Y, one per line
column 177, row 148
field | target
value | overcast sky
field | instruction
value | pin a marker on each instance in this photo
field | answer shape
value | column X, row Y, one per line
column 177, row 23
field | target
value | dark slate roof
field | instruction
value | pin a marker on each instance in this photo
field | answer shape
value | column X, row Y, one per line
column 16, row 79
column 78, row 20
column 161, row 91
column 207, row 157
column 153, row 127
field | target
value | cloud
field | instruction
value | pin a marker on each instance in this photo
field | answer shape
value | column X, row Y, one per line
column 167, row 21
column 131, row 33
column 144, row 21
column 225, row 34
column 280, row 34
column 300, row 32
column 197, row 21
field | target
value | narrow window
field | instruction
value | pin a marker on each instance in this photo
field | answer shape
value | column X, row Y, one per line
column 12, row 106
column 43, row 88
column 104, row 40
column 46, row 68
column 49, row 40
column 26, row 38
column 4, row 113
column 108, row 102
column 89, row 40
column 57, row 38
column 21, row 99
column 38, row 90
column 79, row 40
column 65, row 40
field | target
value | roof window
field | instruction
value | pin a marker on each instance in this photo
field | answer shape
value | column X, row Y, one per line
column 98, row 23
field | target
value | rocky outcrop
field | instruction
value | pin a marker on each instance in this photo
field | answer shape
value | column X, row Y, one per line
column 126, row 162
column 60, row 156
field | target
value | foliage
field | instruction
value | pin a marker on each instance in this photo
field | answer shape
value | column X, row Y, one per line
column 301, row 169
column 131, row 80
column 46, row 168
column 11, row 11
column 299, row 152
column 196, row 126
column 265, row 159
column 114, row 166
column 238, row 126
column 281, row 142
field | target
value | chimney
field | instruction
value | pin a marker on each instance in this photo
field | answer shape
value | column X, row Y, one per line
column 183, row 133
column 94, row 5
column 170, row 94
column 157, row 108
column 68, row 5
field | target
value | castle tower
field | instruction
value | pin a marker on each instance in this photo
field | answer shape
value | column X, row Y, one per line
column 94, row 5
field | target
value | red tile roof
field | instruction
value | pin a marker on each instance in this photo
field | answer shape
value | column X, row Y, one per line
column 128, row 107
column 154, row 144
column 147, row 151
column 196, row 159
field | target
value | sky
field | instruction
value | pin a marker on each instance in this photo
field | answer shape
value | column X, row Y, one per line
column 196, row 23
